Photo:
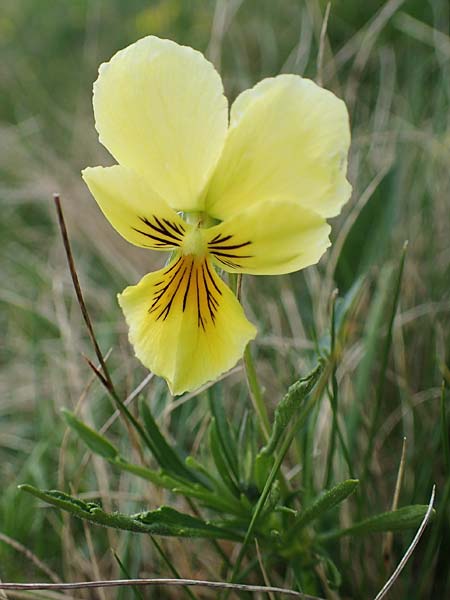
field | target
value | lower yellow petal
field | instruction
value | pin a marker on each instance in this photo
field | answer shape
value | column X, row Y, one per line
column 270, row 238
column 185, row 324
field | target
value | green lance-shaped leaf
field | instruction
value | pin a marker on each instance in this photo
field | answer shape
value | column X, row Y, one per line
column 103, row 447
column 168, row 521
column 408, row 517
column 289, row 406
column 324, row 503
column 93, row 440
column 163, row 521
column 166, row 456
column 220, row 501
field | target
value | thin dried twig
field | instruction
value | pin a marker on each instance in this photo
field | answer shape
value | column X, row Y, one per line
column 3, row 595
column 102, row 374
column 239, row 587
column 393, row 578
column 78, row 292
column 93, row 558
column 263, row 569
column 40, row 596
column 127, row 401
column 97, row 372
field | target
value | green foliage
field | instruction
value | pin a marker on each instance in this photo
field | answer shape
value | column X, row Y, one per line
column 97, row 443
column 326, row 501
column 164, row 521
column 407, row 517
column 240, row 514
column 289, row 408
column 167, row 458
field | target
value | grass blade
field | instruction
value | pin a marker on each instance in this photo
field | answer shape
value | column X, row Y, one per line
column 385, row 357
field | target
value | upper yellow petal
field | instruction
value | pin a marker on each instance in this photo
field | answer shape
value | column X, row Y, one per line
column 160, row 110
column 185, row 324
column 136, row 211
column 271, row 238
column 288, row 138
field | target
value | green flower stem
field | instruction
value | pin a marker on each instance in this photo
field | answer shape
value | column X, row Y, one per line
column 235, row 281
column 276, row 466
column 256, row 393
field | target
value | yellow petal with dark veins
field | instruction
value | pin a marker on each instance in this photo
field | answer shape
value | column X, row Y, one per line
column 270, row 238
column 134, row 209
column 185, row 324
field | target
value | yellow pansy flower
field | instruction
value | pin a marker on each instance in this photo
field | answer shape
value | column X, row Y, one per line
column 247, row 193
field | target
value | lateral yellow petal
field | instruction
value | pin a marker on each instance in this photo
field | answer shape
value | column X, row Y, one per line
column 271, row 238
column 289, row 139
column 137, row 212
column 160, row 110
column 185, row 324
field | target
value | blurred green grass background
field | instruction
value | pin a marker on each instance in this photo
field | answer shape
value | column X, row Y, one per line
column 390, row 61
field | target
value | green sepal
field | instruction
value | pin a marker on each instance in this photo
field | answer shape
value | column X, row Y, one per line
column 93, row 440
column 163, row 521
column 408, row 517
